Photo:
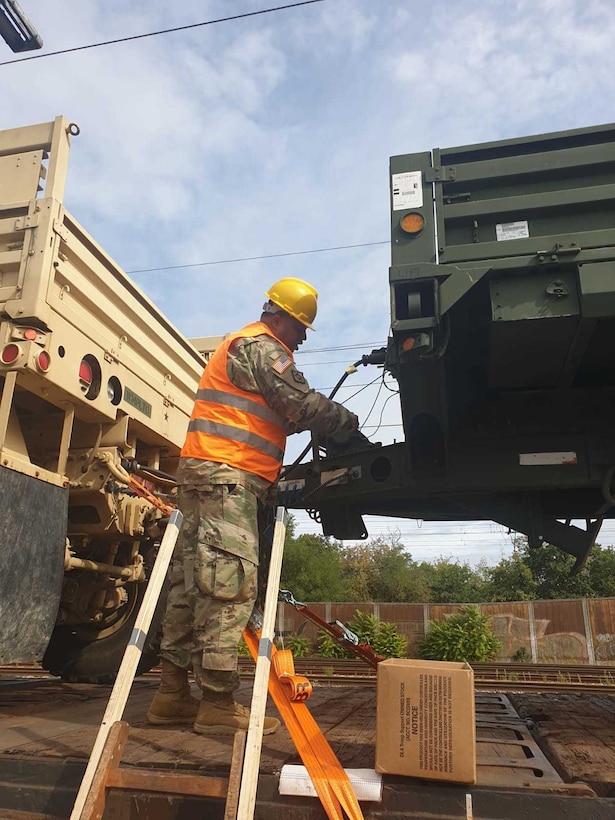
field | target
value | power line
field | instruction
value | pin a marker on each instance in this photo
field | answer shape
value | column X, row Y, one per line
column 322, row 364
column 163, row 31
column 255, row 258
column 360, row 346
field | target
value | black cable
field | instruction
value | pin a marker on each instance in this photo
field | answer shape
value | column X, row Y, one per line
column 162, row 31
column 380, row 424
column 375, row 400
column 369, row 384
column 306, row 450
column 154, row 471
column 375, row 357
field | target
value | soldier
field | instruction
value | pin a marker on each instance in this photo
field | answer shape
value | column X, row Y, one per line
column 249, row 398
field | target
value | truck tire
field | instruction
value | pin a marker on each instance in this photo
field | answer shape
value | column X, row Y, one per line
column 87, row 655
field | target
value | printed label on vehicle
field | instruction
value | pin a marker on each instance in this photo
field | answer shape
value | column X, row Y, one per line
column 512, row 230
column 407, row 190
column 137, row 402
column 542, row 459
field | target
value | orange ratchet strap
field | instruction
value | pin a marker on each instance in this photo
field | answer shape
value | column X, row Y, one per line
column 141, row 490
column 326, row 772
column 299, row 688
column 344, row 636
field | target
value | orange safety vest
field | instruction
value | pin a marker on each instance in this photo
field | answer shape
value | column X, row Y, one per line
column 232, row 426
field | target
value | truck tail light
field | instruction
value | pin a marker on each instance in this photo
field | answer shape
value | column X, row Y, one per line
column 90, row 376
column 85, row 374
column 10, row 354
column 43, row 361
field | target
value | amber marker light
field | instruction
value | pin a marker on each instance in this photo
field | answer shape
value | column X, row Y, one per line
column 30, row 334
column 412, row 223
column 408, row 343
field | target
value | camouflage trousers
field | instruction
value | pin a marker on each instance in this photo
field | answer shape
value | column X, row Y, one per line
column 213, row 582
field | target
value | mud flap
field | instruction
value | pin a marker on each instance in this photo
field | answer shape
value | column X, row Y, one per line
column 32, row 538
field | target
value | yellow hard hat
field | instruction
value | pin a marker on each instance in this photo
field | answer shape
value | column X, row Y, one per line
column 295, row 297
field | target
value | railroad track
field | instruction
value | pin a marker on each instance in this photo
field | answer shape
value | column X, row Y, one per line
column 504, row 677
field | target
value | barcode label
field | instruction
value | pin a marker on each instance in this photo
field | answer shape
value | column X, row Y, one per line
column 511, row 230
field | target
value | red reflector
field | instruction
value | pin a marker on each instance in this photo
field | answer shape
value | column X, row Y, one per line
column 85, row 372
column 30, row 334
column 43, row 361
column 10, row 354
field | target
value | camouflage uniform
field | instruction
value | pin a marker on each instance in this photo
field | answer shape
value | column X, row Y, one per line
column 214, row 569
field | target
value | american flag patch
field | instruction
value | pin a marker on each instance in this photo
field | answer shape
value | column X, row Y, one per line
column 282, row 364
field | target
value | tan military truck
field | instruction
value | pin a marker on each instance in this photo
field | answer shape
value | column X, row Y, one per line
column 97, row 386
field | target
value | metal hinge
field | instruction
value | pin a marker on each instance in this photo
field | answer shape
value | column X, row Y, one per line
column 559, row 249
column 59, row 228
column 446, row 173
column 25, row 222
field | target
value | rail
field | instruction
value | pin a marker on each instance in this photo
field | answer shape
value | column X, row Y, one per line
column 487, row 676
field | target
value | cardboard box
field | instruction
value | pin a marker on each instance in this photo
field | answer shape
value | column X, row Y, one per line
column 425, row 722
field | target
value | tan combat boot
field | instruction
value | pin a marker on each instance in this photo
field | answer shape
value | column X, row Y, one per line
column 173, row 702
column 221, row 714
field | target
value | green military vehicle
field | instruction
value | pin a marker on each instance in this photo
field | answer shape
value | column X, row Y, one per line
column 96, row 388
column 502, row 341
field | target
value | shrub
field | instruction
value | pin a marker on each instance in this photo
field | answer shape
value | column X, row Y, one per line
column 467, row 636
column 382, row 636
column 521, row 655
column 365, row 625
column 298, row 645
column 388, row 642
column 328, row 648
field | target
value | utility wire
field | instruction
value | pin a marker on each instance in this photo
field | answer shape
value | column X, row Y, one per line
column 162, row 31
column 322, row 364
column 254, row 258
column 360, row 346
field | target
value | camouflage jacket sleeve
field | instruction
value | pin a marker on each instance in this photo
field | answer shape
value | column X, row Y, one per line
column 262, row 365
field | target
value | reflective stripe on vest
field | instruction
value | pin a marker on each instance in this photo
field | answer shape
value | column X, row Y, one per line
column 233, row 426
column 215, row 428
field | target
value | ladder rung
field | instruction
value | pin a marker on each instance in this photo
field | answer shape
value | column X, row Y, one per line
column 153, row 780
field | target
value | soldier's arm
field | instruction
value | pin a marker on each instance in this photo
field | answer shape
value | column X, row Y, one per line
column 286, row 390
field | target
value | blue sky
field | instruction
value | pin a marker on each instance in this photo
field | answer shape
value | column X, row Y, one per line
column 272, row 135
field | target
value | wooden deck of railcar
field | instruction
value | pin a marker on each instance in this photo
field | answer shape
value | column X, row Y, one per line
column 47, row 729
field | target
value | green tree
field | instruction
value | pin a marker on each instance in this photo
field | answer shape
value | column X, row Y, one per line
column 382, row 571
column 452, row 582
column 312, row 567
column 466, row 636
column 601, row 571
column 511, row 580
column 356, row 572
column 552, row 572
